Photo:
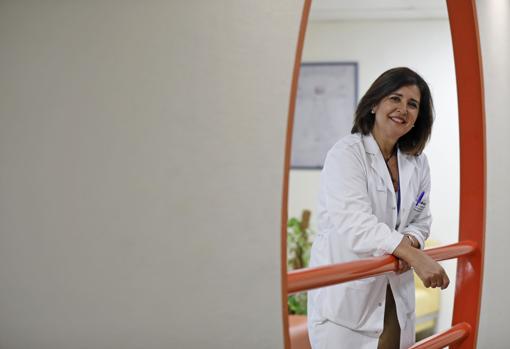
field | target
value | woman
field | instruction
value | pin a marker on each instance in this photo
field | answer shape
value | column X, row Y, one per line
column 374, row 200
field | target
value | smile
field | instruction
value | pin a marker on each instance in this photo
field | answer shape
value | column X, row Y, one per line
column 398, row 120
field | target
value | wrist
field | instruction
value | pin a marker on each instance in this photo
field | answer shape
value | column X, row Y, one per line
column 414, row 241
column 404, row 249
column 411, row 255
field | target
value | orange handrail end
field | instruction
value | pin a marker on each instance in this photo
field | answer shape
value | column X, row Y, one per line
column 442, row 339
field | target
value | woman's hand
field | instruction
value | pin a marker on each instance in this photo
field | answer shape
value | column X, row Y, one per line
column 429, row 271
column 403, row 266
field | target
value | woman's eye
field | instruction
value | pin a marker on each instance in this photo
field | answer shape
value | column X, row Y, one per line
column 413, row 105
column 395, row 98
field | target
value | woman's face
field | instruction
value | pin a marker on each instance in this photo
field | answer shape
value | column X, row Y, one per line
column 396, row 113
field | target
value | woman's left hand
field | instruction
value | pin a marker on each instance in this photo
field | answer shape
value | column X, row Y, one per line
column 403, row 266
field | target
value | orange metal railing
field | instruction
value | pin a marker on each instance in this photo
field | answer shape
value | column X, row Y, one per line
column 310, row 278
column 453, row 335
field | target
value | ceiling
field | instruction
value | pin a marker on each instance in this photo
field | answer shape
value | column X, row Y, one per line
column 328, row 10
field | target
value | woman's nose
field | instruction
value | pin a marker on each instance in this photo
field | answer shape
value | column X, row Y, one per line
column 403, row 109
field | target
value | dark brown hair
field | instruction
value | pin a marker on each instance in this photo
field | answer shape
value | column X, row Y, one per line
column 414, row 141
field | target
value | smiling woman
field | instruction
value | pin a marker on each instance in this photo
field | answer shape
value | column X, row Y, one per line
column 398, row 95
column 395, row 115
column 374, row 200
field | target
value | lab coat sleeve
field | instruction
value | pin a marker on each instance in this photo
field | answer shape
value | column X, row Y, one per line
column 350, row 214
column 419, row 225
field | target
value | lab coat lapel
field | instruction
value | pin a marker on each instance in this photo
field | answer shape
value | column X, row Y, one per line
column 406, row 167
column 377, row 162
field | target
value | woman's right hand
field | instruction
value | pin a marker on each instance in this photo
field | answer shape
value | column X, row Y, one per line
column 429, row 271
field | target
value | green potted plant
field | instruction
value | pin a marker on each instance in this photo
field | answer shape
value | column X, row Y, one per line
column 298, row 256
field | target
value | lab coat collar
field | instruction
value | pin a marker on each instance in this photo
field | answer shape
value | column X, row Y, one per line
column 370, row 144
column 406, row 164
column 377, row 161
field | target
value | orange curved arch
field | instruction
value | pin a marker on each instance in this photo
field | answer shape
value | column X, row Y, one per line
column 468, row 67
column 288, row 146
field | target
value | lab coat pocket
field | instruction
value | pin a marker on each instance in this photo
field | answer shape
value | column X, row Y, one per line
column 357, row 308
column 416, row 209
column 421, row 202
column 410, row 217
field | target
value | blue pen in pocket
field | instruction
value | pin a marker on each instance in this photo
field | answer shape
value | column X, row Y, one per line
column 419, row 199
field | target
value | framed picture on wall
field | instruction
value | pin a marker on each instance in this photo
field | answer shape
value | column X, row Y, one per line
column 325, row 105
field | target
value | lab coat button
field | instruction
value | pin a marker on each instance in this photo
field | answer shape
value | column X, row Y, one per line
column 380, row 304
column 394, row 207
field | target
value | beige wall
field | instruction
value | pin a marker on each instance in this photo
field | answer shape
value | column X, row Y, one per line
column 494, row 19
column 141, row 163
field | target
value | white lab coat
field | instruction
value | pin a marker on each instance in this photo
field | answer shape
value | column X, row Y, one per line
column 357, row 217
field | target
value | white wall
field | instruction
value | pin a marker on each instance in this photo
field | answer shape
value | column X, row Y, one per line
column 423, row 45
column 494, row 26
column 141, row 162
